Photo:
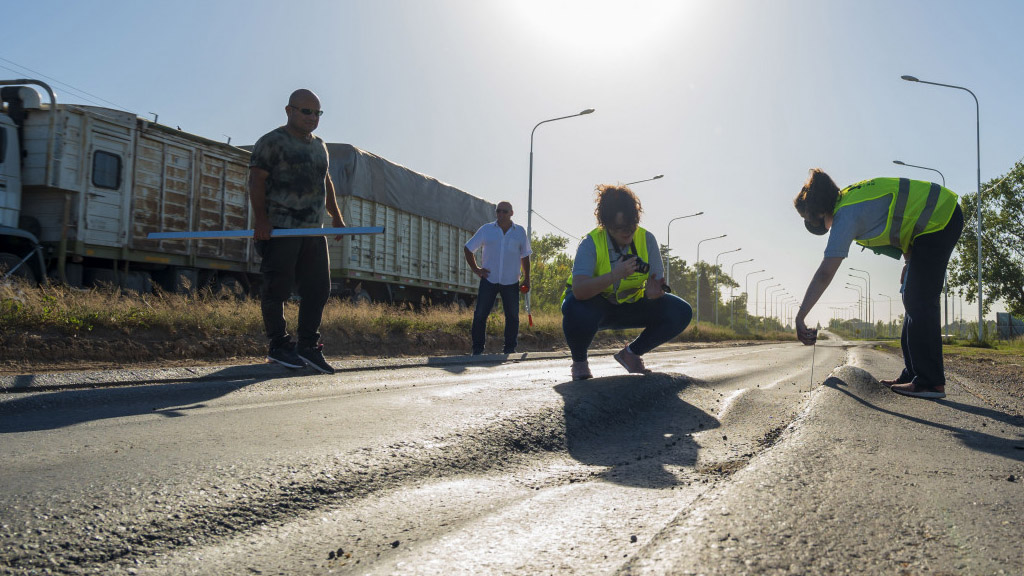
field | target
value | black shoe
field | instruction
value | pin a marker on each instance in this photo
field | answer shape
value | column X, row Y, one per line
column 285, row 356
column 313, row 356
column 509, row 351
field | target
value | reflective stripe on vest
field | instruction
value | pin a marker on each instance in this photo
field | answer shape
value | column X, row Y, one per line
column 912, row 210
column 631, row 286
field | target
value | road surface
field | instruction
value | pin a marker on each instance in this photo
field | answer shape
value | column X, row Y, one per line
column 726, row 460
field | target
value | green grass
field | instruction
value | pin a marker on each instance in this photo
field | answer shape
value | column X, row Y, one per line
column 992, row 348
column 1001, row 349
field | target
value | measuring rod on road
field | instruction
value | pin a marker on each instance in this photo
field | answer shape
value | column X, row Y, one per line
column 278, row 233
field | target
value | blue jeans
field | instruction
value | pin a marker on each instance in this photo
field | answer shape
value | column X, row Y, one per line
column 488, row 292
column 662, row 320
column 921, row 339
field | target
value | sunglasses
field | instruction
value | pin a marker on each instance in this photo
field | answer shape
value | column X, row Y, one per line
column 309, row 111
column 628, row 229
column 501, row 211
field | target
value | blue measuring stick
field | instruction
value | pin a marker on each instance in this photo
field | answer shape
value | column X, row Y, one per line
column 280, row 232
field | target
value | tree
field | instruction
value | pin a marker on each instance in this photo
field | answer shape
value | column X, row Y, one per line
column 549, row 269
column 1002, row 241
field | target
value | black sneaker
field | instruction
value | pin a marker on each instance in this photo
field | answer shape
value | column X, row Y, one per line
column 285, row 356
column 315, row 358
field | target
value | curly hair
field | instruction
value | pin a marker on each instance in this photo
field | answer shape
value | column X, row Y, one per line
column 612, row 199
column 817, row 196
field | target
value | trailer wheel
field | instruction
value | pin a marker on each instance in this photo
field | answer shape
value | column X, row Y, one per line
column 24, row 272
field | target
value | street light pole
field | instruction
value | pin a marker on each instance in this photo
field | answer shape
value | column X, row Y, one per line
column 791, row 309
column 902, row 163
column 765, row 315
column 860, row 299
column 787, row 309
column 716, row 280
column 867, row 294
column 776, row 297
column 888, row 327
column 977, row 117
column 732, row 300
column 668, row 241
column 646, row 180
column 757, row 290
column 746, row 292
column 697, row 266
column 529, row 197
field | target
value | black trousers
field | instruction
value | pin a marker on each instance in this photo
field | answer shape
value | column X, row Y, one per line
column 921, row 339
column 294, row 262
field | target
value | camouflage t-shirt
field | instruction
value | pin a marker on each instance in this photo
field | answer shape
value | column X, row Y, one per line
column 297, row 185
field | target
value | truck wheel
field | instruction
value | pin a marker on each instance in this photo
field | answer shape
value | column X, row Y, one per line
column 24, row 272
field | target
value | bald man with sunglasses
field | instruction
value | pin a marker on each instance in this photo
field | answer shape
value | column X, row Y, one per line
column 289, row 187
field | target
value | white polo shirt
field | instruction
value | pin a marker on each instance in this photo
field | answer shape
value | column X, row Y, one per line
column 501, row 252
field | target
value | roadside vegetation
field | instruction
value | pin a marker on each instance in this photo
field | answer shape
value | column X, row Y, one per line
column 1002, row 352
column 47, row 324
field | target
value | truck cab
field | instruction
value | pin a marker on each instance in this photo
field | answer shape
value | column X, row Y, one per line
column 20, row 252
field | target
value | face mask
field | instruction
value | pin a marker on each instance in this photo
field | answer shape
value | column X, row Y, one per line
column 816, row 228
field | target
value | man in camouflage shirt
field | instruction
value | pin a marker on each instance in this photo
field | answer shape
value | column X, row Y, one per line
column 289, row 187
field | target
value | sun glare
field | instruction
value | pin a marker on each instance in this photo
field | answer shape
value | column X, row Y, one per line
column 605, row 27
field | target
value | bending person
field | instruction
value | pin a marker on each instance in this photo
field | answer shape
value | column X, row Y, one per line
column 618, row 281
column 920, row 221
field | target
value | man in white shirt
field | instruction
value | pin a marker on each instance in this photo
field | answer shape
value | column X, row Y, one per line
column 505, row 249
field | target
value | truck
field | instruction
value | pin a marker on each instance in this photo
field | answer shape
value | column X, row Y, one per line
column 81, row 187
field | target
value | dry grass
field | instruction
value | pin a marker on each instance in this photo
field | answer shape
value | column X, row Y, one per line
column 73, row 311
column 102, row 325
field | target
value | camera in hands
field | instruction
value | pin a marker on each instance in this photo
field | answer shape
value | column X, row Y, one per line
column 641, row 266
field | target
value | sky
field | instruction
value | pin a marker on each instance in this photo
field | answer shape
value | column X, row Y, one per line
column 732, row 100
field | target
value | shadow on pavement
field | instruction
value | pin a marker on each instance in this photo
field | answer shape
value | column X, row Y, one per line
column 59, row 409
column 980, row 441
column 635, row 425
column 459, row 364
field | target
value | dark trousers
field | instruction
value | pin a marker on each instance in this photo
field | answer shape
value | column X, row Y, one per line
column 921, row 338
column 662, row 320
column 488, row 292
column 300, row 262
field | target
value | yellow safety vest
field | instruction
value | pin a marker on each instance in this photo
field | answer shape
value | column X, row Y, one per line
column 915, row 208
column 631, row 288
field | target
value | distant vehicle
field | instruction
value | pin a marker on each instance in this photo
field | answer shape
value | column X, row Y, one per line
column 82, row 186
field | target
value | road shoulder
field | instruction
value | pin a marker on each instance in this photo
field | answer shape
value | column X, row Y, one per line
column 864, row 481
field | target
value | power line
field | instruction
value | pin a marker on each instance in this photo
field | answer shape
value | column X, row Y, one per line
column 87, row 96
column 555, row 227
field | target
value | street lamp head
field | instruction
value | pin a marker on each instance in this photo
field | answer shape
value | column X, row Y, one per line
column 898, row 162
column 699, row 213
column 658, row 176
column 587, row 111
column 909, row 78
